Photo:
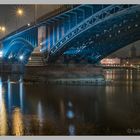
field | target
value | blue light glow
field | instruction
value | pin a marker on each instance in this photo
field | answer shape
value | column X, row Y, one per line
column 71, row 129
column 21, row 57
column 70, row 114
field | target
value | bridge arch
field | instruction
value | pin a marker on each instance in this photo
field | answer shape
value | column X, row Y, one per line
column 109, row 30
column 18, row 47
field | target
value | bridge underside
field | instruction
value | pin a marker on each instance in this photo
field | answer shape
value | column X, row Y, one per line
column 103, row 38
column 18, row 50
column 87, row 32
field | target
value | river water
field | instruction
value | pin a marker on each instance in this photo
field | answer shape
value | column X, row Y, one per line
column 39, row 109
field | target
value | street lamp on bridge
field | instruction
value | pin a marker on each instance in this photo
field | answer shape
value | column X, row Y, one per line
column 2, row 29
column 20, row 12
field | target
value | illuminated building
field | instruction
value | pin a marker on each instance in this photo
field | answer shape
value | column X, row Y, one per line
column 110, row 61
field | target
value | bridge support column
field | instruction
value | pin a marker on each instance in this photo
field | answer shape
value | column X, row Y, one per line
column 49, row 39
column 57, row 33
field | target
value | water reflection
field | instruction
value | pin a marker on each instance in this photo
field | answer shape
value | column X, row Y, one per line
column 71, row 129
column 17, row 122
column 3, row 114
column 13, row 120
column 70, row 110
column 9, row 95
column 127, row 74
column 70, row 115
column 117, row 74
column 21, row 93
column 40, row 112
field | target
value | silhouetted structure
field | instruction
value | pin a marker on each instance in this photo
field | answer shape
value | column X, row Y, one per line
column 133, row 51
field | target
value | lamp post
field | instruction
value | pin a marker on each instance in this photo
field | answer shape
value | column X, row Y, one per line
column 35, row 13
column 19, row 13
column 2, row 30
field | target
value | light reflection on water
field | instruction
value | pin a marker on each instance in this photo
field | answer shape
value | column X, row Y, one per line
column 3, row 114
column 17, row 122
column 17, row 126
column 70, row 110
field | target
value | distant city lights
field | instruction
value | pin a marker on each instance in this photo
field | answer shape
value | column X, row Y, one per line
column 110, row 61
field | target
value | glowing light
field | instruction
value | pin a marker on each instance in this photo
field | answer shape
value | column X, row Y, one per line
column 20, row 11
column 2, row 28
column 71, row 129
column 3, row 115
column 110, row 61
column 29, row 24
column 21, row 57
column 21, row 93
column 9, row 94
column 9, row 57
column 70, row 114
column 1, row 54
column 17, row 122
column 70, row 104
column 136, row 25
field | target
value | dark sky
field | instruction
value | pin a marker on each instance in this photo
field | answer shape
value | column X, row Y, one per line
column 125, row 52
column 9, row 18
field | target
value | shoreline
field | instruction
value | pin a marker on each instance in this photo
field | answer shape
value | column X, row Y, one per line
column 69, row 81
column 65, row 75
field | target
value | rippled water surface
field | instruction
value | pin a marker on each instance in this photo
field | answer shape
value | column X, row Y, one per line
column 113, row 109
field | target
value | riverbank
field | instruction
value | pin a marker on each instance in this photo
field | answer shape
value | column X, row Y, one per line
column 65, row 75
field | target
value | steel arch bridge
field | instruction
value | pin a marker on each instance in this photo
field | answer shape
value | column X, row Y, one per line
column 84, row 32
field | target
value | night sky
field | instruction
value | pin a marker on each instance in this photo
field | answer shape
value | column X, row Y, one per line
column 9, row 18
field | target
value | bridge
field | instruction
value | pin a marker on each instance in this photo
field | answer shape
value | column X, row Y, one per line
column 81, row 32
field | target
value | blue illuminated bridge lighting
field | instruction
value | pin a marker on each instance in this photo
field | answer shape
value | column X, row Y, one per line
column 82, row 32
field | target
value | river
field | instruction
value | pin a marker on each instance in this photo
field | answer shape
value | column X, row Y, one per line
column 39, row 109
